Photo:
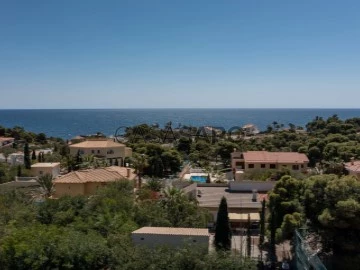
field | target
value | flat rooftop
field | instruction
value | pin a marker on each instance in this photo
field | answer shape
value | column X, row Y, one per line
column 211, row 197
column 172, row 231
column 45, row 165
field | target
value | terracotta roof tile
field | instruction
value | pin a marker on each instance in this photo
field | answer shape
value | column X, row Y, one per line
column 275, row 157
column 354, row 167
column 97, row 144
column 109, row 174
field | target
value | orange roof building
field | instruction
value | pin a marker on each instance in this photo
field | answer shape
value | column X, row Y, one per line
column 252, row 160
column 353, row 167
column 87, row 182
column 102, row 148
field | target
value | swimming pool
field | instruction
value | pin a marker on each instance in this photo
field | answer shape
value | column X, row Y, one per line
column 198, row 178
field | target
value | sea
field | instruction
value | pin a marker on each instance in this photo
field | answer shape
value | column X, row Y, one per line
column 68, row 123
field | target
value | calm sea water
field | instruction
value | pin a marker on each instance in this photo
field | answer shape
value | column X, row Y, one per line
column 69, row 123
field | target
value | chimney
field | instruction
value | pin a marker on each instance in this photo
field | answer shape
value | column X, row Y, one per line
column 254, row 195
column 128, row 171
column 352, row 160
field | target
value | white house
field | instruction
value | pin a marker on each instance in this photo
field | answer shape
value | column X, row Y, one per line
column 174, row 237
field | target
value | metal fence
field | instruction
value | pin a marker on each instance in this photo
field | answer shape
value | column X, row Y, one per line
column 306, row 258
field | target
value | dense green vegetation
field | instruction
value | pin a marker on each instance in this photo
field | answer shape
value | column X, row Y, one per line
column 94, row 232
column 328, row 206
column 327, row 142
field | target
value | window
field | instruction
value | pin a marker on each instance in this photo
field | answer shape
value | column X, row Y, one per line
column 110, row 151
column 194, row 241
column 295, row 167
column 41, row 172
column 263, row 166
column 142, row 238
column 92, row 151
column 302, row 166
column 272, row 166
column 251, row 166
column 81, row 152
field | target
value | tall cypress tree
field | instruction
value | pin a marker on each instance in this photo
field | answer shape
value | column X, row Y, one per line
column 262, row 223
column 33, row 156
column 27, row 161
column 248, row 238
column 222, row 230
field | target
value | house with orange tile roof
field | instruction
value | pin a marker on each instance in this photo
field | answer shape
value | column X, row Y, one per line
column 353, row 167
column 87, row 182
column 170, row 236
column 102, row 148
column 262, row 160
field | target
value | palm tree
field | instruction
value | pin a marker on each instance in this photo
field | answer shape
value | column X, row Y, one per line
column 154, row 185
column 139, row 163
column 46, row 185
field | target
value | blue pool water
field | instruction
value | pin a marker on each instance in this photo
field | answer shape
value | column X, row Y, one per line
column 201, row 179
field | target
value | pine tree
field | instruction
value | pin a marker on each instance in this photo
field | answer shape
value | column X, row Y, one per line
column 33, row 156
column 248, row 238
column 27, row 161
column 222, row 230
column 39, row 157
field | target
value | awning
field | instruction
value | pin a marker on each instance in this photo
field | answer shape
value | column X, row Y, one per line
column 244, row 217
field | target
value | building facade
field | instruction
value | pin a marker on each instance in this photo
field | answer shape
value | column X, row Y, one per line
column 87, row 182
column 40, row 169
column 173, row 237
column 110, row 150
column 262, row 160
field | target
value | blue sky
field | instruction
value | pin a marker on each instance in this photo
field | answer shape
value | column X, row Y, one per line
column 182, row 54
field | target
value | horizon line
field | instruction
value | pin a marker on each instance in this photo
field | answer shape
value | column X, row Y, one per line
column 191, row 108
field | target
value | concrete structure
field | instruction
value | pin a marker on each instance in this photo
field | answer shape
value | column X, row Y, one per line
column 353, row 167
column 40, row 169
column 16, row 159
column 238, row 203
column 6, row 141
column 87, row 182
column 174, row 237
column 262, row 160
column 102, row 148
column 250, row 129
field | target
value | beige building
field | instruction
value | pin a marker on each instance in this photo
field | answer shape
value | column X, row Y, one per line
column 6, row 141
column 174, row 237
column 40, row 169
column 353, row 167
column 102, row 148
column 257, row 160
column 87, row 182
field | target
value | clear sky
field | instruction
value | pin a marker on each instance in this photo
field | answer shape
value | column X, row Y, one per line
column 182, row 54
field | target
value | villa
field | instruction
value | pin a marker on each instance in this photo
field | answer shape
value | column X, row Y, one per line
column 102, row 148
column 174, row 237
column 261, row 160
column 40, row 169
column 87, row 182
